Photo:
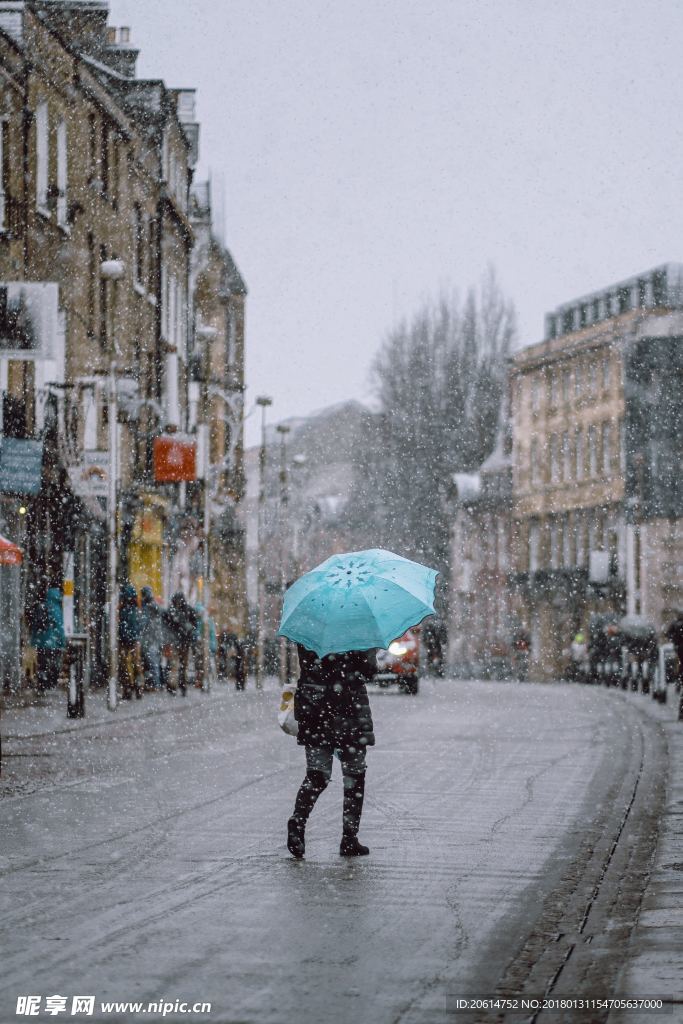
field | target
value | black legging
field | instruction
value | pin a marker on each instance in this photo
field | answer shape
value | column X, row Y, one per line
column 319, row 771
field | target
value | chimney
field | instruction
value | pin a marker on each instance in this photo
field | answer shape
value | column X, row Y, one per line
column 124, row 35
column 111, row 36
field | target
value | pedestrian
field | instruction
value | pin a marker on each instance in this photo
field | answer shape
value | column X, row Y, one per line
column 233, row 658
column 181, row 621
column 48, row 638
column 151, row 638
column 333, row 714
column 130, row 627
column 198, row 646
column 674, row 632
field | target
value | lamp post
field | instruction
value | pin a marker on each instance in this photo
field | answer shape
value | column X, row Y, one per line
column 283, row 430
column 112, row 271
column 263, row 401
column 207, row 335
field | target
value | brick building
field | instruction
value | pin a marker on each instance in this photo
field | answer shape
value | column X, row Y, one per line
column 97, row 166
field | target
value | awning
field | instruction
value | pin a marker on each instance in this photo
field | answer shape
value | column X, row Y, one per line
column 10, row 554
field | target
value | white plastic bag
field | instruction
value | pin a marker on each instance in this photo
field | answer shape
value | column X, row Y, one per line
column 285, row 715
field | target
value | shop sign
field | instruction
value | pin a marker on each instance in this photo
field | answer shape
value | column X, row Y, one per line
column 10, row 554
column 90, row 479
column 21, row 466
column 175, row 459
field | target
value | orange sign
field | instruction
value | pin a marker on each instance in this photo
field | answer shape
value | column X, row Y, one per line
column 175, row 459
column 10, row 554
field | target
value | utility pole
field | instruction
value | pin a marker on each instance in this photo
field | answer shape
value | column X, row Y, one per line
column 207, row 335
column 263, row 401
column 112, row 270
column 283, row 430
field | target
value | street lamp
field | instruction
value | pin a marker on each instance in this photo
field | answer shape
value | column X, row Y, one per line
column 263, row 401
column 283, row 430
column 112, row 271
column 207, row 334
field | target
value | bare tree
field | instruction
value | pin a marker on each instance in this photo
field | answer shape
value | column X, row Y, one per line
column 438, row 380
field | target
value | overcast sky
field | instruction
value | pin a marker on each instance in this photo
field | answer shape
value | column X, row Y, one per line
column 372, row 152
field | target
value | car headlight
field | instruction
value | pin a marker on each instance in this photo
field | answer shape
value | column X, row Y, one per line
column 397, row 649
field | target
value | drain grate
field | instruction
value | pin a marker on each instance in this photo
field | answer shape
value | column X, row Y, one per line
column 676, row 866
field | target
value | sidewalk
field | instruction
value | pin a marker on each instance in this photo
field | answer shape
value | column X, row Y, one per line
column 47, row 715
column 654, row 959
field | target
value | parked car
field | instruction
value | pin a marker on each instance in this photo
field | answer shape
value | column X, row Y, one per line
column 400, row 664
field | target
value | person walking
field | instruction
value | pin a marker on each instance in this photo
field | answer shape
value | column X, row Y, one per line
column 151, row 638
column 49, row 639
column 333, row 713
column 130, row 626
column 181, row 620
column 674, row 633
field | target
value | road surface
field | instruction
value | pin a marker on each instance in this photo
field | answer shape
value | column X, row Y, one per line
column 510, row 827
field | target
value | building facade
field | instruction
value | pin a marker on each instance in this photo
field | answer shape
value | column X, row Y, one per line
column 97, row 168
column 596, row 426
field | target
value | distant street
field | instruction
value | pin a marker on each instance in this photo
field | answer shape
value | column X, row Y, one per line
column 154, row 866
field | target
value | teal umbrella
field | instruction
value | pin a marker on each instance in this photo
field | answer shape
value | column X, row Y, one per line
column 356, row 601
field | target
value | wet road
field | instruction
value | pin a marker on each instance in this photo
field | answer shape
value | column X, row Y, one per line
column 154, row 867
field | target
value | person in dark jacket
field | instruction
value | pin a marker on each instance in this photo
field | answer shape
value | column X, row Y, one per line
column 332, row 710
column 130, row 626
column 182, row 623
column 151, row 638
column 48, row 638
column 675, row 634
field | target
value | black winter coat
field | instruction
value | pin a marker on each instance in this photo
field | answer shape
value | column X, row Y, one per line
column 331, row 702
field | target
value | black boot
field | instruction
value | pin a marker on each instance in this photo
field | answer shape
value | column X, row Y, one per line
column 309, row 791
column 354, row 791
column 295, row 837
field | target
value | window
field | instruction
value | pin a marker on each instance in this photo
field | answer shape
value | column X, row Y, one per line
column 139, row 242
column 151, row 255
column 42, row 157
column 605, row 373
column 554, row 458
column 92, row 285
column 580, row 540
column 94, row 147
column 62, row 173
column 621, row 441
column 566, row 457
column 592, row 451
column 554, row 544
column 103, row 301
column 4, row 173
column 577, row 381
column 104, row 158
column 579, row 455
column 535, row 394
column 115, row 172
column 566, row 543
column 592, row 379
column 231, row 339
column 606, row 449
column 534, row 546
column 535, row 464
column 554, row 388
column 566, row 378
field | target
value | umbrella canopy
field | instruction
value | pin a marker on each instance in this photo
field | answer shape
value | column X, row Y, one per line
column 357, row 601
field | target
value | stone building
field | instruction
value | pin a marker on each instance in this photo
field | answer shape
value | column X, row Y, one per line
column 481, row 616
column 597, row 449
column 216, row 398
